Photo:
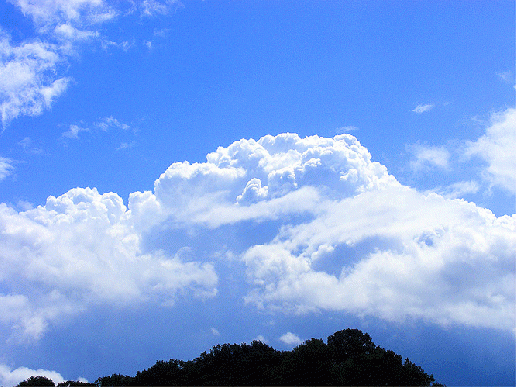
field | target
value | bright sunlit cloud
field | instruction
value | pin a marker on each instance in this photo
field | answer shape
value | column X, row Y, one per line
column 174, row 175
column 342, row 203
column 11, row 377
column 496, row 148
column 290, row 339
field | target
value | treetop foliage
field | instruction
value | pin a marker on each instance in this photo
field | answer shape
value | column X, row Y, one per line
column 349, row 357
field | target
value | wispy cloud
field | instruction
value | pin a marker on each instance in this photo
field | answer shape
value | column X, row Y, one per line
column 428, row 156
column 111, row 123
column 28, row 146
column 103, row 124
column 6, row 167
column 48, row 14
column 423, row 108
column 73, row 131
column 458, row 190
column 127, row 145
column 346, row 129
column 506, row 76
column 152, row 7
column 33, row 73
column 28, row 77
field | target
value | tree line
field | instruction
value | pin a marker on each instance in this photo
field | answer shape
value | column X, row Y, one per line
column 349, row 357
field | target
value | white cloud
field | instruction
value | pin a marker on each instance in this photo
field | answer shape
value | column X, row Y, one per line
column 28, row 77
column 497, row 148
column 80, row 250
column 11, row 377
column 111, row 123
column 104, row 124
column 74, row 130
column 260, row 338
column 54, row 12
column 429, row 156
column 394, row 254
column 317, row 224
column 290, row 339
column 152, row 7
column 215, row 332
column 361, row 242
column 31, row 72
column 423, row 108
column 69, row 32
column 6, row 167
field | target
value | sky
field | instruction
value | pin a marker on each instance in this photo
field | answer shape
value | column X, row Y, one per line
column 175, row 175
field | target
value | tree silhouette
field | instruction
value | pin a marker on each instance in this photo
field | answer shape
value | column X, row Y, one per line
column 348, row 358
column 37, row 381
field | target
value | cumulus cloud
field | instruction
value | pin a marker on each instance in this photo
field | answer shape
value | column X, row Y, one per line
column 6, row 167
column 290, row 339
column 314, row 222
column 428, row 156
column 79, row 250
column 496, row 148
column 423, row 108
column 11, row 377
column 347, row 235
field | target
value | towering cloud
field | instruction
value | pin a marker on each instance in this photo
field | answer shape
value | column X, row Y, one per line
column 314, row 223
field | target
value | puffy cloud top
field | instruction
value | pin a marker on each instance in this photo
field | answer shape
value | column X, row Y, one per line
column 313, row 223
column 250, row 171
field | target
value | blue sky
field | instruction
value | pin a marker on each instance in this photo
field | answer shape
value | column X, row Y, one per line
column 175, row 175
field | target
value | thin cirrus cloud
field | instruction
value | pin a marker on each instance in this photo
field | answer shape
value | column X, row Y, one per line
column 6, row 167
column 104, row 124
column 337, row 233
column 423, row 108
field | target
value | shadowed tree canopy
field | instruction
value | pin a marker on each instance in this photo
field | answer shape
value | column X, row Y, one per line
column 37, row 381
column 349, row 357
